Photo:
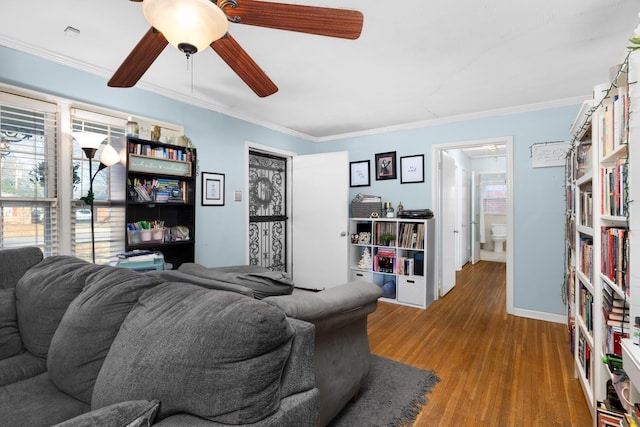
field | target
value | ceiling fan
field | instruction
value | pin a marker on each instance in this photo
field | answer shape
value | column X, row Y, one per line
column 213, row 17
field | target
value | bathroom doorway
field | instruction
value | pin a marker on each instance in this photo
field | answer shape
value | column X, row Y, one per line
column 488, row 158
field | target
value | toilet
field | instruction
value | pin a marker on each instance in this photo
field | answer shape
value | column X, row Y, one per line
column 499, row 236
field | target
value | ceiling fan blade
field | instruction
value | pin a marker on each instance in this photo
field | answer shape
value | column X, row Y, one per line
column 244, row 66
column 139, row 60
column 323, row 21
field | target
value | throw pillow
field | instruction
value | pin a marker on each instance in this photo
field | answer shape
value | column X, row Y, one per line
column 43, row 295
column 89, row 327
column 138, row 413
column 10, row 342
column 213, row 354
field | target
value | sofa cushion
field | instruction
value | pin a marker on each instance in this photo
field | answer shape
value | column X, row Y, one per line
column 214, row 354
column 10, row 342
column 19, row 367
column 137, row 413
column 43, row 295
column 261, row 280
column 36, row 402
column 89, row 327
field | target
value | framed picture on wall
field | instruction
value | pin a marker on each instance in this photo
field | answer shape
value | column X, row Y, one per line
column 359, row 173
column 386, row 165
column 212, row 189
column 412, row 169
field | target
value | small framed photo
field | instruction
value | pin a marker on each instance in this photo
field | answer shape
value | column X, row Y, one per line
column 386, row 165
column 359, row 174
column 212, row 189
column 412, row 169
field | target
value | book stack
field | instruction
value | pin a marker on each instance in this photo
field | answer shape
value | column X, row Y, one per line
column 615, row 310
column 385, row 260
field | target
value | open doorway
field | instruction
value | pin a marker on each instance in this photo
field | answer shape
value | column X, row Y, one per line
column 487, row 158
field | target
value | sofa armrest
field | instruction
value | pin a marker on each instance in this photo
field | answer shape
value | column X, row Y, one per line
column 178, row 276
column 310, row 306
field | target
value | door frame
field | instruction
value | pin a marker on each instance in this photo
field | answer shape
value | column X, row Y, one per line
column 436, row 191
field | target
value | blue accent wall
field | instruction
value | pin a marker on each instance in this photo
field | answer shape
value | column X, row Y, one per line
column 220, row 140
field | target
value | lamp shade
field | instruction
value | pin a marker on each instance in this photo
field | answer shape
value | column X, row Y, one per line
column 189, row 25
column 109, row 156
column 88, row 139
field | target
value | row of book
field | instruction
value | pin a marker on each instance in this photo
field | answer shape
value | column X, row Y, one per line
column 586, row 307
column 615, row 255
column 160, row 152
column 586, row 207
column 613, row 192
column 611, row 123
column 386, row 261
column 411, row 235
column 586, row 257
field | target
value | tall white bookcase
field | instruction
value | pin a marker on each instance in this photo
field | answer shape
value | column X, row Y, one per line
column 600, row 279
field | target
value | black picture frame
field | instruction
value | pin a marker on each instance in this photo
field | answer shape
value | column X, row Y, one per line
column 412, row 169
column 212, row 189
column 360, row 173
column 386, row 165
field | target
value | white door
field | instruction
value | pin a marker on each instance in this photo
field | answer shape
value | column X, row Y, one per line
column 319, row 219
column 449, row 222
column 475, row 217
column 463, row 216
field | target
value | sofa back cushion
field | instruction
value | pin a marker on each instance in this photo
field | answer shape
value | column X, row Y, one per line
column 43, row 295
column 214, row 354
column 89, row 327
column 15, row 262
column 10, row 342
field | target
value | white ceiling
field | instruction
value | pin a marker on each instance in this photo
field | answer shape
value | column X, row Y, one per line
column 416, row 62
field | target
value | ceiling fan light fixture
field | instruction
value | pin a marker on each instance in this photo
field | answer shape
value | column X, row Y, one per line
column 189, row 25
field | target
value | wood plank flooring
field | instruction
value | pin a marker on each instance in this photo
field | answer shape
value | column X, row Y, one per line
column 495, row 369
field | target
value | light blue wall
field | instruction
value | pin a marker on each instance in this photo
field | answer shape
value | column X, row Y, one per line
column 538, row 193
column 538, row 199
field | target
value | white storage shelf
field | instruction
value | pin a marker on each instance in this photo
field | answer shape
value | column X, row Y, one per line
column 404, row 267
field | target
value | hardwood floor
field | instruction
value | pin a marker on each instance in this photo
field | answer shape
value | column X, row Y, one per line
column 495, row 369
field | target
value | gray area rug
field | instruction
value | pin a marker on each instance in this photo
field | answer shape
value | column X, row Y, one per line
column 392, row 396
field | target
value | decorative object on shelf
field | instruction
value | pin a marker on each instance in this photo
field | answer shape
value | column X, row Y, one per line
column 387, row 238
column 388, row 209
column 400, row 209
column 386, row 165
column 155, row 133
column 359, row 173
column 185, row 141
column 132, row 129
column 364, row 238
column 412, row 169
column 90, row 142
column 212, row 189
column 365, row 259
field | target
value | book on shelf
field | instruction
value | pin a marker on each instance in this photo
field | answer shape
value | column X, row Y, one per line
column 614, row 250
column 586, row 257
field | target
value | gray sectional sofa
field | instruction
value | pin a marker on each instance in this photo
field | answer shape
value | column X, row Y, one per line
column 339, row 314
column 82, row 344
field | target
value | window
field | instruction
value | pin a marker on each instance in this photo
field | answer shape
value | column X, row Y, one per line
column 44, row 174
column 108, row 188
column 28, row 173
column 494, row 199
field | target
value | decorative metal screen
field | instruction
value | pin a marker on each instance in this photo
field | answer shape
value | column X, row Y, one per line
column 267, row 211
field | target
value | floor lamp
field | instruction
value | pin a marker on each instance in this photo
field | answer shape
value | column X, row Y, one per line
column 90, row 142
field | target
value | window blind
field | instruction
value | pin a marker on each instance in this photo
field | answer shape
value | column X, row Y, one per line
column 28, row 173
